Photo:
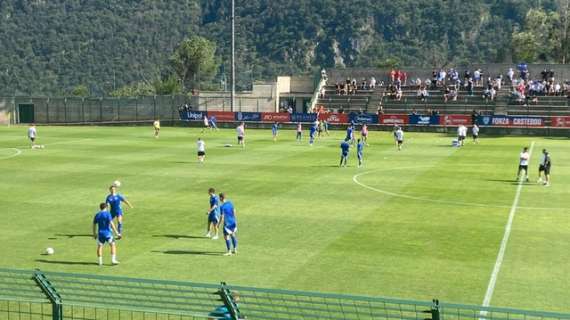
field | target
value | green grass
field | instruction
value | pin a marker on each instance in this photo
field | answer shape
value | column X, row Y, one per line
column 303, row 222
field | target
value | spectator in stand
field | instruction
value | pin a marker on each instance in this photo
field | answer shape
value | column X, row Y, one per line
column 399, row 93
column 470, row 84
column 289, row 109
column 337, row 87
column 489, row 94
column 450, row 93
column 423, row 94
column 434, row 76
column 372, row 82
column 392, row 75
column 414, row 112
column 474, row 116
column 363, row 85
column 511, row 75
column 404, row 77
column 467, row 75
column 557, row 89
column 477, row 77
column 380, row 110
column 499, row 82
column 322, row 92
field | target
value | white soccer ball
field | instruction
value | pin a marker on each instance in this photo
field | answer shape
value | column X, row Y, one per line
column 116, row 183
column 50, row 251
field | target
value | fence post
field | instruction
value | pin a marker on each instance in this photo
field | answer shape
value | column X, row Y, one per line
column 65, row 109
column 51, row 293
column 229, row 302
column 154, row 107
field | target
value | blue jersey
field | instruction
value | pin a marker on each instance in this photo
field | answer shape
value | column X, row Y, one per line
column 349, row 133
column 103, row 220
column 313, row 130
column 215, row 201
column 115, row 202
column 274, row 128
column 227, row 210
column 344, row 146
column 360, row 147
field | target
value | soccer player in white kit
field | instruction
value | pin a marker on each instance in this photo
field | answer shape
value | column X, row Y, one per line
column 461, row 134
column 524, row 157
column 206, row 124
column 399, row 135
column 475, row 132
column 32, row 135
column 156, row 126
column 240, row 130
column 201, row 150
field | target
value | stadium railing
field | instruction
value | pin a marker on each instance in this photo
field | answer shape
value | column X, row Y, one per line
column 40, row 295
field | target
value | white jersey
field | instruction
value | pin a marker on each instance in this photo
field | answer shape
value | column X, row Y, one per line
column 543, row 159
column 156, row 124
column 240, row 131
column 206, row 121
column 400, row 135
column 32, row 133
column 201, row 146
column 462, row 131
column 475, row 130
column 524, row 157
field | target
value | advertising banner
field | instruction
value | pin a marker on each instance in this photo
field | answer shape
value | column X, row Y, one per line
column 334, row 117
column 455, row 120
column 248, row 116
column 399, row 119
column 424, row 120
column 222, row 116
column 561, row 122
column 192, row 115
column 363, row 118
column 509, row 121
column 303, row 117
column 274, row 116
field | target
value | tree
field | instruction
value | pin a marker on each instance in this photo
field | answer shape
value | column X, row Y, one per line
column 194, row 61
column 525, row 47
column 80, row 91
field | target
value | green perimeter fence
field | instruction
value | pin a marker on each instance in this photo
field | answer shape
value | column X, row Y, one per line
column 31, row 295
column 54, row 110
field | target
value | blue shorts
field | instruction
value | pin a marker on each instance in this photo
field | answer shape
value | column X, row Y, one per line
column 105, row 238
column 230, row 230
column 213, row 217
column 359, row 155
column 344, row 154
column 116, row 214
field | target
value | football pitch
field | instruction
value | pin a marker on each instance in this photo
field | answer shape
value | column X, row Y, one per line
column 426, row 222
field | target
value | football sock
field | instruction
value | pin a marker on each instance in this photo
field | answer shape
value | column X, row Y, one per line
column 100, row 260
column 120, row 229
column 228, row 244
column 234, row 242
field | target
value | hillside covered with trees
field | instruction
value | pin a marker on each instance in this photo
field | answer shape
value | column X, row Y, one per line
column 102, row 47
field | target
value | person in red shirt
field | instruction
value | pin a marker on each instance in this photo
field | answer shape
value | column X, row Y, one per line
column 393, row 75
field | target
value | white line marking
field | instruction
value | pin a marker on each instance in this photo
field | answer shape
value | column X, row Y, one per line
column 503, row 248
column 441, row 201
column 18, row 152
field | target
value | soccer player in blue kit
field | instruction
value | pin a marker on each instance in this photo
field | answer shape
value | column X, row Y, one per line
column 275, row 130
column 344, row 147
column 213, row 215
column 312, row 132
column 114, row 201
column 360, row 151
column 103, row 229
column 350, row 134
column 229, row 223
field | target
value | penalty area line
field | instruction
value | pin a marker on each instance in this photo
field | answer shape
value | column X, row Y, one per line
column 503, row 247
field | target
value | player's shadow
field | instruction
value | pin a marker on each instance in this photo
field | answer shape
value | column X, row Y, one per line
column 178, row 236
column 193, row 252
column 506, row 181
column 78, row 263
column 74, row 235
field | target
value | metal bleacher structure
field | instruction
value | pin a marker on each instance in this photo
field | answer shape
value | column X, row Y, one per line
column 369, row 100
column 31, row 295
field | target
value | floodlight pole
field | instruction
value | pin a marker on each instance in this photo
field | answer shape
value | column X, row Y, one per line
column 233, row 61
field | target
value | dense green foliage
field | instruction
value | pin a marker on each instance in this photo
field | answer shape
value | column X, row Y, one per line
column 303, row 222
column 50, row 47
